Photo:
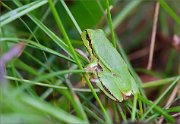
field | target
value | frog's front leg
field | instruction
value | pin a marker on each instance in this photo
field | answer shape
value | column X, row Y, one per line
column 92, row 67
column 91, row 70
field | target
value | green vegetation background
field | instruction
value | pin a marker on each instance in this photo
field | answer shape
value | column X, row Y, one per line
column 44, row 84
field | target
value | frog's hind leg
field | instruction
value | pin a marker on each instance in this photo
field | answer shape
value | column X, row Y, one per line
column 98, row 83
column 109, row 82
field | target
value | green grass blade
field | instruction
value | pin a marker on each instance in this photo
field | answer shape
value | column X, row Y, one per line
column 133, row 115
column 71, row 16
column 157, row 109
column 23, row 12
column 61, row 27
column 55, row 74
column 95, row 116
column 158, row 82
column 123, row 14
column 51, row 110
column 170, row 11
column 87, row 100
column 14, row 11
column 49, row 85
column 157, row 100
column 38, row 46
column 23, row 66
column 25, row 24
column 52, row 35
column 123, row 115
column 110, row 24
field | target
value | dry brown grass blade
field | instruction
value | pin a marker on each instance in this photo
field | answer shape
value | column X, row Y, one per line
column 153, row 36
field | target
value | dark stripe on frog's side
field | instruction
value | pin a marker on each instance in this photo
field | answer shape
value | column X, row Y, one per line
column 88, row 38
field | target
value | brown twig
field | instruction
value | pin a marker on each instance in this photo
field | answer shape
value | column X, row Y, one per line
column 153, row 36
column 138, row 54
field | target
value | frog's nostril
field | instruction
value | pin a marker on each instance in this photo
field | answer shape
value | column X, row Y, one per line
column 114, row 74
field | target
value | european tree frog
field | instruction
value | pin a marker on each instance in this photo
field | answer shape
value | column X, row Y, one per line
column 113, row 75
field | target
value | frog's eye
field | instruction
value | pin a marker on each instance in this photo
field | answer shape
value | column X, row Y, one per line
column 87, row 37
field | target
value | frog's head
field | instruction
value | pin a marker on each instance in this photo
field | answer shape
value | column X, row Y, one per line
column 88, row 36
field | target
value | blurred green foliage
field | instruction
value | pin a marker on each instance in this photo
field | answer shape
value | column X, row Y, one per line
column 44, row 84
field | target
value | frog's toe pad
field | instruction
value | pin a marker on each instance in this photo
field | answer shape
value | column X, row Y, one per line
column 128, row 93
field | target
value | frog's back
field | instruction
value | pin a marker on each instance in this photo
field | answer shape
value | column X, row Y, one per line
column 108, row 55
column 106, row 52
